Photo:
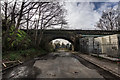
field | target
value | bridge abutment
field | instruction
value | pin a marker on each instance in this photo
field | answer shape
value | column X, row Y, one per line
column 76, row 44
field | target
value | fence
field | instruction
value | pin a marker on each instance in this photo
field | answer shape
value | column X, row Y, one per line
column 109, row 45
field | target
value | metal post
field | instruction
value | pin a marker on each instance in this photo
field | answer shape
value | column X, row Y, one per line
column 98, row 49
column 0, row 43
column 119, row 53
column 93, row 45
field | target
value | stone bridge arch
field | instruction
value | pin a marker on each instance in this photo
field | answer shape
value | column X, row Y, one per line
column 65, row 38
column 71, row 38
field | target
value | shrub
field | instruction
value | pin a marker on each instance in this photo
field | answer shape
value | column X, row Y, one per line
column 17, row 41
column 14, row 56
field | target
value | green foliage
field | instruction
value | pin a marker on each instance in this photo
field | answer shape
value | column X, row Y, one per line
column 16, row 41
column 27, row 52
column 49, row 47
column 23, row 54
column 13, row 57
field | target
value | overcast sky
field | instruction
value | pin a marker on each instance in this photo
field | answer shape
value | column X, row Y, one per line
column 84, row 15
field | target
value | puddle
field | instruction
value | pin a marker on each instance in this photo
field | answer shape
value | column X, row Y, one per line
column 24, row 72
column 19, row 72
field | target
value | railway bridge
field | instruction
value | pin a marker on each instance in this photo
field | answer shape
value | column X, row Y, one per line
column 72, row 36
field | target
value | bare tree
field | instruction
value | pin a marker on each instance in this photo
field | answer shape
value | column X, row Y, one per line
column 109, row 20
column 13, row 15
column 118, row 19
column 31, row 15
column 49, row 14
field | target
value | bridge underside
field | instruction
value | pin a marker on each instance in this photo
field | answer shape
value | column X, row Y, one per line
column 48, row 38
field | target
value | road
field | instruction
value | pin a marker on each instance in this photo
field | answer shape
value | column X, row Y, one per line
column 56, row 65
column 64, row 66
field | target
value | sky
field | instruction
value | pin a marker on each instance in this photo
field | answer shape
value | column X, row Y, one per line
column 85, row 15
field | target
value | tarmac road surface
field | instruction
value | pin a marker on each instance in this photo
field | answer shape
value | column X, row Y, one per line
column 59, row 64
column 64, row 66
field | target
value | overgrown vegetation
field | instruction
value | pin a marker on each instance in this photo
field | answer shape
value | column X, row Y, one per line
column 23, row 55
column 19, row 48
column 18, row 44
column 21, row 41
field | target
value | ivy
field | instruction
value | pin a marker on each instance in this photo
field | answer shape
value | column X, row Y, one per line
column 21, row 41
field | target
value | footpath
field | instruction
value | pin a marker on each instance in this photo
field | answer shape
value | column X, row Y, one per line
column 104, row 63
